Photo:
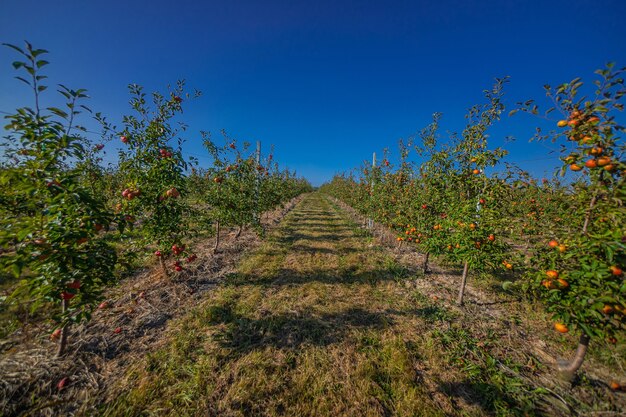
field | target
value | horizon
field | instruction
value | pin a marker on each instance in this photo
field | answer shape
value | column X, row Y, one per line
column 326, row 84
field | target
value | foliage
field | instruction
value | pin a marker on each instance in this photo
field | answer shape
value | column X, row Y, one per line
column 50, row 222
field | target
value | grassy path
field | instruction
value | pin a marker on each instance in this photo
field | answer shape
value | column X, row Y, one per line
column 319, row 322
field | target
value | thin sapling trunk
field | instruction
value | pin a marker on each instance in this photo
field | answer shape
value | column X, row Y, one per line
column 217, row 236
column 568, row 369
column 164, row 267
column 459, row 300
column 64, row 331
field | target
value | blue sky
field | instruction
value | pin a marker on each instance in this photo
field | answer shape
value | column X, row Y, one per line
column 326, row 82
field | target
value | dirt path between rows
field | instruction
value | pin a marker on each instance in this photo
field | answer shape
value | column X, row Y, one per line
column 321, row 321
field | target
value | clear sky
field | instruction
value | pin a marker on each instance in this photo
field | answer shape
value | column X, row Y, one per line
column 326, row 82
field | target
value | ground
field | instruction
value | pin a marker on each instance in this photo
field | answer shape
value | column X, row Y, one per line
column 321, row 318
column 322, row 321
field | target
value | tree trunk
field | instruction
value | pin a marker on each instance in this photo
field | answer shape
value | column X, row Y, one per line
column 217, row 236
column 239, row 231
column 588, row 214
column 568, row 369
column 64, row 330
column 164, row 267
column 459, row 300
column 426, row 270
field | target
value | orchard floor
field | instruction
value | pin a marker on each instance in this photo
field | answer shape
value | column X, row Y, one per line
column 320, row 320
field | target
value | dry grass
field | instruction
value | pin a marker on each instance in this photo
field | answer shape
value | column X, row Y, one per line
column 321, row 322
column 142, row 306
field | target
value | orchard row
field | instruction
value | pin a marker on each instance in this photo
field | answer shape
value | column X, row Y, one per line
column 65, row 221
column 562, row 242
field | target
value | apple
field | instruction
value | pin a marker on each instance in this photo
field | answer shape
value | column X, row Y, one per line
column 67, row 295
column 74, row 284
column 56, row 334
column 124, row 139
column 117, row 330
column 552, row 274
column 103, row 305
column 62, row 383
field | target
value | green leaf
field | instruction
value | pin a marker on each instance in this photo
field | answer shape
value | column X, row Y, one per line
column 15, row 268
column 23, row 80
column 14, row 47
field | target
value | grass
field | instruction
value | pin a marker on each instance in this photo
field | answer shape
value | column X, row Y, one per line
column 320, row 322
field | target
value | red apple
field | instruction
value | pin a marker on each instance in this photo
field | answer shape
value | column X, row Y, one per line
column 56, row 334
column 62, row 383
column 74, row 284
column 67, row 295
